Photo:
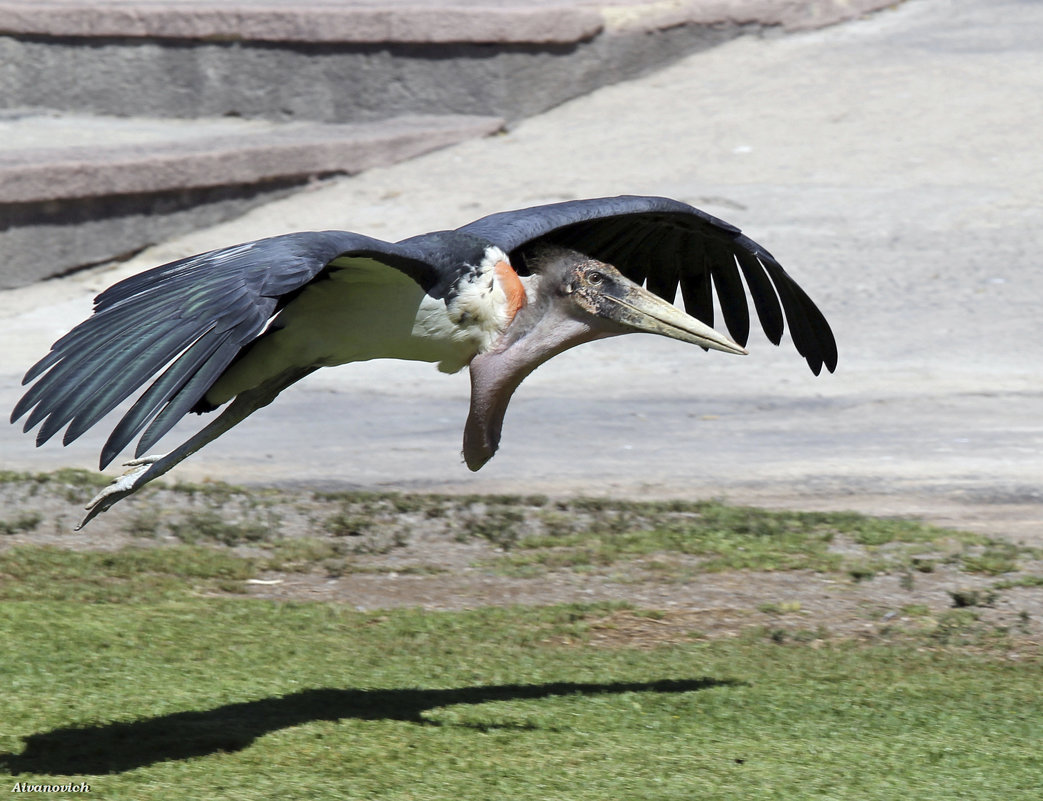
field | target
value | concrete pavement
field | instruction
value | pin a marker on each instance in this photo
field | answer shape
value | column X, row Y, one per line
column 891, row 164
column 278, row 93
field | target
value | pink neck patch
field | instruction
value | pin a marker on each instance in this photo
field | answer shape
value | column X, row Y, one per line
column 512, row 287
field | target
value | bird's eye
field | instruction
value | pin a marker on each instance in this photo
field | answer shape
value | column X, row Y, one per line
column 595, row 278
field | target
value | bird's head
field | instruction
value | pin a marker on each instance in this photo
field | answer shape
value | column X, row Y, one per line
column 572, row 299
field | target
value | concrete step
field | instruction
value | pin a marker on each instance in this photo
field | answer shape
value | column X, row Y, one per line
column 78, row 189
column 123, row 122
column 353, row 60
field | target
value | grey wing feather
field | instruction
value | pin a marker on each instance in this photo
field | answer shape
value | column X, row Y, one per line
column 182, row 323
column 663, row 243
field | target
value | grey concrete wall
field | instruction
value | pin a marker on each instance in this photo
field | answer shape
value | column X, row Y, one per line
column 326, row 82
column 286, row 81
column 328, row 62
column 42, row 240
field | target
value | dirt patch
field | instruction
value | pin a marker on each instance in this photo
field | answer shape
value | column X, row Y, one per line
column 798, row 606
column 684, row 571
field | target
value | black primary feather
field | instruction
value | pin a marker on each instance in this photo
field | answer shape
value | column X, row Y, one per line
column 721, row 265
column 765, row 300
column 697, row 288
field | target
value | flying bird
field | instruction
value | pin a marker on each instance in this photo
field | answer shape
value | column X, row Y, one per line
column 235, row 327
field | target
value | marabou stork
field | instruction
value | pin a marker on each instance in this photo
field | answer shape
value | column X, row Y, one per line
column 501, row 295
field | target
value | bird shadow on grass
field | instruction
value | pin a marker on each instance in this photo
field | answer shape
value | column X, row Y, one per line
column 119, row 747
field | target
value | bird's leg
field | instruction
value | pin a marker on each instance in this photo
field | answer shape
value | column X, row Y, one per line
column 120, row 487
column 142, row 471
column 147, row 468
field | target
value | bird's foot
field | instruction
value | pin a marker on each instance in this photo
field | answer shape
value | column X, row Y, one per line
column 131, row 481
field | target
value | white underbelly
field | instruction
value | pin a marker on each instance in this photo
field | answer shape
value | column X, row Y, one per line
column 367, row 311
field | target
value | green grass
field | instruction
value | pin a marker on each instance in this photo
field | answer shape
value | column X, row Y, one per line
column 537, row 534
column 1021, row 581
column 140, row 672
column 239, row 699
column 26, row 521
column 724, row 538
column 35, row 573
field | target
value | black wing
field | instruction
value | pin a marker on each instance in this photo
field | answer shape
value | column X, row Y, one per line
column 182, row 323
column 666, row 244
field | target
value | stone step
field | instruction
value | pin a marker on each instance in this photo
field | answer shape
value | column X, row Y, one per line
column 78, row 189
column 124, row 122
column 353, row 60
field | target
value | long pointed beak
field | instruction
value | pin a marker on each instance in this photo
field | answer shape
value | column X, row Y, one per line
column 641, row 310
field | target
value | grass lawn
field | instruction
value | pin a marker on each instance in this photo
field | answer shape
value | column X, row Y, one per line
column 142, row 673
column 245, row 699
